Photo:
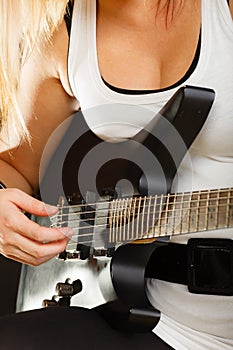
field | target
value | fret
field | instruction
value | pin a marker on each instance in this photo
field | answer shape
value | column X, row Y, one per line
column 202, row 212
column 217, row 210
column 207, row 209
column 182, row 200
column 138, row 233
column 193, row 221
column 174, row 218
column 134, row 233
column 142, row 215
column 128, row 213
column 120, row 235
column 228, row 209
column 154, row 225
column 126, row 219
column 110, row 222
column 117, row 221
column 229, row 214
column 183, row 213
column 189, row 216
column 197, row 211
column 121, row 216
column 119, row 226
column 165, row 217
column 179, row 219
column 212, row 211
column 153, row 216
column 122, row 228
column 124, row 210
column 148, row 216
column 123, row 221
column 162, row 221
column 222, row 208
column 114, row 222
column 173, row 214
column 158, row 216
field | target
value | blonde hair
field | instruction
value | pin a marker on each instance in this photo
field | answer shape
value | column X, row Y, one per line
column 24, row 24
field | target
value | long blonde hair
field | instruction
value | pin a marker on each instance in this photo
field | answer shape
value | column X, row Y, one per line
column 24, row 24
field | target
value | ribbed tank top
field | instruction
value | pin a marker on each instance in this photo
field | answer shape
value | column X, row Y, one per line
column 189, row 321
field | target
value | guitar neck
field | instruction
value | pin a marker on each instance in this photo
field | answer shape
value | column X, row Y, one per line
column 172, row 214
column 107, row 223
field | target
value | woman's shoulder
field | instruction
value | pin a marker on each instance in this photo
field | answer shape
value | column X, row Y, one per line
column 58, row 56
column 231, row 7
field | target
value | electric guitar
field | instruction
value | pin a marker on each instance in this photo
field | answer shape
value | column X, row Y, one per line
column 115, row 193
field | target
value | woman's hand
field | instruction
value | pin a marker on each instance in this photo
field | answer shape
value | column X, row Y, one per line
column 22, row 239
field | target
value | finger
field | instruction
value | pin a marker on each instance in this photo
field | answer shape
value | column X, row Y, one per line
column 30, row 204
column 40, row 251
column 18, row 222
column 27, row 259
column 31, row 252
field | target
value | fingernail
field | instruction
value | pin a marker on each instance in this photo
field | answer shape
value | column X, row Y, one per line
column 67, row 231
column 51, row 209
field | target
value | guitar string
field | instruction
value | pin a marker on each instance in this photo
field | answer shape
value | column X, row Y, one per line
column 129, row 210
column 135, row 201
column 145, row 213
column 118, row 205
column 159, row 197
column 156, row 232
column 164, row 224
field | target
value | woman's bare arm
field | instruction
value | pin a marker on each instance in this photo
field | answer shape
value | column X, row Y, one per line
column 45, row 101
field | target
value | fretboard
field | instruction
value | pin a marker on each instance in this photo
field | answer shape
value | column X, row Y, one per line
column 106, row 223
column 172, row 214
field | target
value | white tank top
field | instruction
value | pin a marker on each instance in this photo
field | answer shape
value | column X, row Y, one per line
column 189, row 321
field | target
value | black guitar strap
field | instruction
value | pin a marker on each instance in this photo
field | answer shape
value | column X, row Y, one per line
column 186, row 111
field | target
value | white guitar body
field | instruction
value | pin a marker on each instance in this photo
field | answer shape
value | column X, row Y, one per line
column 213, row 210
column 41, row 281
column 110, row 223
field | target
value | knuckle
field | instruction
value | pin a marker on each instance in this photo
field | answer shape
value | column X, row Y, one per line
column 2, row 239
column 6, row 240
column 40, row 260
column 6, row 250
column 37, row 254
column 33, row 262
column 8, row 221
column 36, row 262
column 36, row 205
column 37, row 236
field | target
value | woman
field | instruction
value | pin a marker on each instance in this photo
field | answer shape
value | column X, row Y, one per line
column 151, row 48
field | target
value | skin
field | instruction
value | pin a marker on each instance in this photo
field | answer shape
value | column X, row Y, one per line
column 132, row 28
